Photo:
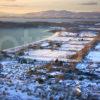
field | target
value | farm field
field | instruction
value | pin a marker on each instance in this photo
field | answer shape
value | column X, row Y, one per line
column 65, row 65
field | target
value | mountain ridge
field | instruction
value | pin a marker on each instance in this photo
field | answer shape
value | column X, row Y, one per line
column 63, row 14
column 55, row 14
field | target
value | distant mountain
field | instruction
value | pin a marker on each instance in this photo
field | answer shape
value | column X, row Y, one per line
column 50, row 14
column 62, row 14
column 2, row 14
column 54, row 14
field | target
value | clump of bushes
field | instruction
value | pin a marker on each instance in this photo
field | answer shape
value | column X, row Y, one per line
column 40, row 80
column 30, row 72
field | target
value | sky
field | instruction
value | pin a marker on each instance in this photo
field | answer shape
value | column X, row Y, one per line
column 26, row 6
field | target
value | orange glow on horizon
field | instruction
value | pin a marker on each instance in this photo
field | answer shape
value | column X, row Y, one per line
column 25, row 6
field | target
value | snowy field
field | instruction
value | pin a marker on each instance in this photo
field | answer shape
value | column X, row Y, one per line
column 36, row 74
column 91, row 63
column 60, row 46
column 98, row 47
column 94, row 56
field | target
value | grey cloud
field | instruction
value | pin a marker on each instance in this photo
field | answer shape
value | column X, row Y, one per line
column 11, row 5
column 8, row 0
column 90, row 3
column 16, row 5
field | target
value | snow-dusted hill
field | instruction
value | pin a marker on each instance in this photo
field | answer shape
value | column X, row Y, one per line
column 63, row 14
column 54, row 14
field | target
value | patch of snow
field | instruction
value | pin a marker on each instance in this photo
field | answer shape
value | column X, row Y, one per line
column 87, row 34
column 65, row 39
column 45, row 44
column 94, row 56
column 8, row 62
column 92, row 28
column 47, row 53
column 68, row 34
column 71, row 47
column 98, row 46
column 97, row 24
column 55, row 73
column 78, row 42
column 81, row 66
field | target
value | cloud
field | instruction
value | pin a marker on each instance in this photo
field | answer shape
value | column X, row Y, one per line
column 89, row 3
column 9, row 0
column 6, row 0
column 12, row 5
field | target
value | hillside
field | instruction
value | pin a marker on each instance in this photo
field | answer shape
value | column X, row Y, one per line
column 53, row 14
column 62, row 14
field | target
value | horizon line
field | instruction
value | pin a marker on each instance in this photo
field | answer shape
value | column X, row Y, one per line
column 50, row 10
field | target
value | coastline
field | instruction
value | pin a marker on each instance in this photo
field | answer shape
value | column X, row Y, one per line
column 74, row 55
column 38, row 66
column 18, row 48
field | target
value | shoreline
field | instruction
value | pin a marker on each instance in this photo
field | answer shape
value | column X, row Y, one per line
column 18, row 48
column 77, row 55
column 75, row 58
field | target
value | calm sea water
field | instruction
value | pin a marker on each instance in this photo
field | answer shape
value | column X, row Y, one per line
column 57, row 20
column 18, row 36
